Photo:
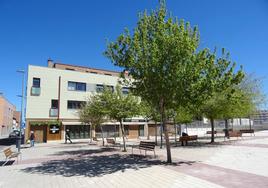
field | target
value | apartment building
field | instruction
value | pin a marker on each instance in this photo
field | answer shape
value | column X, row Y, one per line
column 7, row 116
column 55, row 94
column 261, row 117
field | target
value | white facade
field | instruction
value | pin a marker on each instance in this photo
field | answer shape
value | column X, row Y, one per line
column 54, row 85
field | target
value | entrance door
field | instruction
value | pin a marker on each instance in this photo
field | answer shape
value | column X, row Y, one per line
column 133, row 131
column 54, row 132
column 39, row 132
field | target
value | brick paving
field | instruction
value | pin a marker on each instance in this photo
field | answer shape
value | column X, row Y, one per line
column 236, row 163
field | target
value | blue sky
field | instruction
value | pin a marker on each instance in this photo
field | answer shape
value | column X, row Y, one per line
column 74, row 32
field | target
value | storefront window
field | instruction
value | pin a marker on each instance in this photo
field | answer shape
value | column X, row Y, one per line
column 141, row 130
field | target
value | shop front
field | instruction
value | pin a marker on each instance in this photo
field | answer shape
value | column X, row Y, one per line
column 45, row 131
column 78, row 131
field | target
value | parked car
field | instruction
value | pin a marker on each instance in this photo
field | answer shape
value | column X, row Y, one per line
column 14, row 134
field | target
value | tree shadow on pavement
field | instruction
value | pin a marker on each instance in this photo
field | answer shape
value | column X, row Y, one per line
column 93, row 165
column 85, row 152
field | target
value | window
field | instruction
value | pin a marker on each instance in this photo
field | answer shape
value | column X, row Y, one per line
column 93, row 72
column 36, row 82
column 75, row 104
column 125, row 90
column 54, row 104
column 70, row 69
column 107, row 74
column 76, row 86
column 99, row 88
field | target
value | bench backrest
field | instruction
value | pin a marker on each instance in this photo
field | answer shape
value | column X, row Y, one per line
column 147, row 145
column 247, row 131
column 110, row 140
column 8, row 152
column 235, row 133
column 187, row 138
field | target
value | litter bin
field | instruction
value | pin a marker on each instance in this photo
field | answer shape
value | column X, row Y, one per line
column 17, row 140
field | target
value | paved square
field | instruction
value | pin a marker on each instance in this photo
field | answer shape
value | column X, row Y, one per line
column 236, row 163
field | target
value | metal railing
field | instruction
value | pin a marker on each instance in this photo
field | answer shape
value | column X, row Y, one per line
column 35, row 91
column 53, row 112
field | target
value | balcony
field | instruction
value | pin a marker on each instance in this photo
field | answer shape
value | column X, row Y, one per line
column 53, row 112
column 35, row 91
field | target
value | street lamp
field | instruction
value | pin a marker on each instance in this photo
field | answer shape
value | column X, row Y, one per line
column 22, row 97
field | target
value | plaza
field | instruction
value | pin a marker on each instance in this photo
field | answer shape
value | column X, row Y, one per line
column 234, row 163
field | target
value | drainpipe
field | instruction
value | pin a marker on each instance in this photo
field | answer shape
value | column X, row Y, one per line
column 59, row 97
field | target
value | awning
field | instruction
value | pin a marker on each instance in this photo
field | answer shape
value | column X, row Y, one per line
column 72, row 123
column 105, row 123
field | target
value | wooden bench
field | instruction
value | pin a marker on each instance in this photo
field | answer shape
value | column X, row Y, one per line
column 251, row 131
column 146, row 146
column 235, row 134
column 10, row 154
column 185, row 139
column 111, row 141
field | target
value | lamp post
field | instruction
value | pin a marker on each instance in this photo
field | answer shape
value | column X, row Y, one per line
column 22, row 98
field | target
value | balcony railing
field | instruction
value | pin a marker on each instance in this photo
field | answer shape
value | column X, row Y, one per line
column 53, row 112
column 35, row 91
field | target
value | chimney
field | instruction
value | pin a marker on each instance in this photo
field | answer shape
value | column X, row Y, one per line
column 50, row 63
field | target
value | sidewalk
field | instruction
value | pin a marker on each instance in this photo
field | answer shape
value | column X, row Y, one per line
column 241, row 163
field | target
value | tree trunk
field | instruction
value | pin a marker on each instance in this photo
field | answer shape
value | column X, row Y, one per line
column 102, row 135
column 156, row 133
column 175, row 130
column 226, row 128
column 161, row 135
column 90, row 133
column 123, row 136
column 164, row 126
column 167, row 142
column 212, row 130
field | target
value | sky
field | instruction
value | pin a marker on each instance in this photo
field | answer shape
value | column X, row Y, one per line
column 76, row 31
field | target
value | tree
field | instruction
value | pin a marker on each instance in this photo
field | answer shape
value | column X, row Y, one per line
column 158, row 57
column 118, row 106
column 161, row 56
column 93, row 113
column 245, row 100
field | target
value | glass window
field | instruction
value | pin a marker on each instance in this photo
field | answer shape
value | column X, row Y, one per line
column 75, row 104
column 36, row 82
column 99, row 88
column 80, row 86
column 76, row 86
column 125, row 90
column 54, row 103
column 71, row 86
column 141, row 130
